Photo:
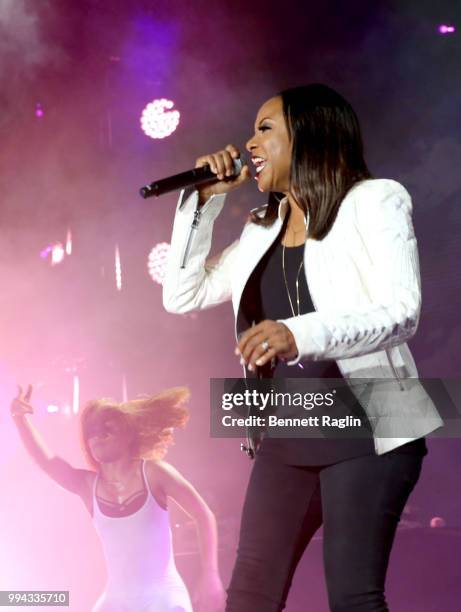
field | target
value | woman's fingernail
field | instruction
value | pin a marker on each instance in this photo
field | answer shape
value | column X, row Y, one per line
column 242, row 361
column 236, row 351
column 258, row 362
column 250, row 367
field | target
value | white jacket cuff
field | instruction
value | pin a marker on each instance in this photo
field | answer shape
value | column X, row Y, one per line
column 310, row 339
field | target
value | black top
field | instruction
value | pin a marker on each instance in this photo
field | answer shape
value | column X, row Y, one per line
column 265, row 297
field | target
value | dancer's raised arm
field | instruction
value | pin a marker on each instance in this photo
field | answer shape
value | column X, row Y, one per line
column 72, row 479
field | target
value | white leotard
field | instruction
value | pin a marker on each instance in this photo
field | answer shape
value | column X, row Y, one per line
column 142, row 575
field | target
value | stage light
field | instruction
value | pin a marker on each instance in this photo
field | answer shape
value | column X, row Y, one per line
column 437, row 521
column 156, row 262
column 69, row 243
column 57, row 253
column 39, row 110
column 118, row 269
column 57, row 250
column 446, row 29
column 158, row 120
column 52, row 408
column 46, row 251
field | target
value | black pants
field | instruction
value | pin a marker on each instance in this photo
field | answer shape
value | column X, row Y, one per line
column 359, row 501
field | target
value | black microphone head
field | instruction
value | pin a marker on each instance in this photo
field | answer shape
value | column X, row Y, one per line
column 147, row 191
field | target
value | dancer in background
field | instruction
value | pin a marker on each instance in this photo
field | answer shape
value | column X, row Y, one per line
column 126, row 493
column 326, row 275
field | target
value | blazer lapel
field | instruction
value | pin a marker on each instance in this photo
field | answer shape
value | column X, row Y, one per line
column 251, row 251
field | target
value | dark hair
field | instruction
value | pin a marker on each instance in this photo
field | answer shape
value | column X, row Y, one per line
column 327, row 155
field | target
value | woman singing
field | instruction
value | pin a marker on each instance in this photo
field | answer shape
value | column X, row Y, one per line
column 324, row 282
column 126, row 493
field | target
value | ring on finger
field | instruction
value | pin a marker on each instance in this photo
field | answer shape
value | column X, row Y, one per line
column 265, row 345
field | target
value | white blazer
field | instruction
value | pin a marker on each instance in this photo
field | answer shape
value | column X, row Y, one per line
column 365, row 285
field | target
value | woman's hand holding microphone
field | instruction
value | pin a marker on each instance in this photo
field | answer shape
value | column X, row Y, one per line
column 222, row 164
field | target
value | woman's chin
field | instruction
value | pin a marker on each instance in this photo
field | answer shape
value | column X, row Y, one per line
column 261, row 186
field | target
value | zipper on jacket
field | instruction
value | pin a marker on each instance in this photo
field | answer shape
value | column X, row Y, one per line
column 190, row 237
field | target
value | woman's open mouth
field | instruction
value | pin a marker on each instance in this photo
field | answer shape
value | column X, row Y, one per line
column 260, row 164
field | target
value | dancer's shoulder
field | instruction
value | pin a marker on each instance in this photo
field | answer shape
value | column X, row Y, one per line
column 161, row 469
column 175, row 485
column 167, row 476
column 155, row 476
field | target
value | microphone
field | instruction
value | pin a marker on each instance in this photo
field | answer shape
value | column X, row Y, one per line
column 185, row 179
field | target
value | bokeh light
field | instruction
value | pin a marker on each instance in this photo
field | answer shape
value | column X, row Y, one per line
column 46, row 251
column 118, row 269
column 157, row 262
column 57, row 253
column 69, row 242
column 446, row 29
column 158, row 120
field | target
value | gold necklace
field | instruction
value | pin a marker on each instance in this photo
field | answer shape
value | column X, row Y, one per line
column 297, row 282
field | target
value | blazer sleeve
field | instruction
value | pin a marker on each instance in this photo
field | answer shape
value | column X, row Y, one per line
column 383, row 217
column 192, row 280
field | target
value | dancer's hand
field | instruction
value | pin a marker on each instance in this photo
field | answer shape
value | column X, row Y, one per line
column 210, row 595
column 21, row 403
column 221, row 163
column 264, row 341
